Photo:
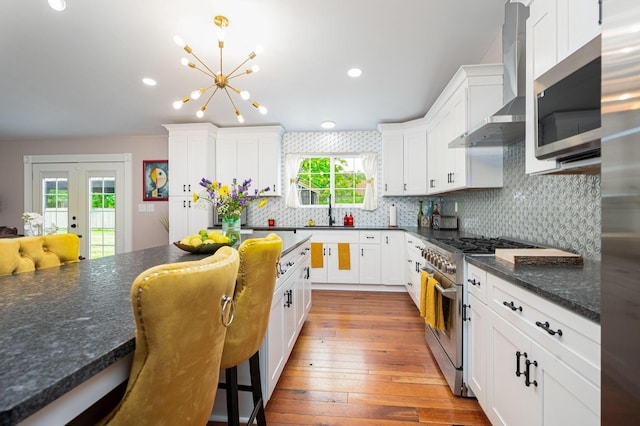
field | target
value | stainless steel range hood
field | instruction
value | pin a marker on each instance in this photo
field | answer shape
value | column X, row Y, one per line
column 506, row 125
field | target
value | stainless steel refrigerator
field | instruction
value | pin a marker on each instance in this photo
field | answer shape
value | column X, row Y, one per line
column 620, row 308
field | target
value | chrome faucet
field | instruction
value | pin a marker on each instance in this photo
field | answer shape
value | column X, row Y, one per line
column 331, row 220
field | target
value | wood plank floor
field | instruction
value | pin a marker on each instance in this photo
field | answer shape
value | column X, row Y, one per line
column 361, row 359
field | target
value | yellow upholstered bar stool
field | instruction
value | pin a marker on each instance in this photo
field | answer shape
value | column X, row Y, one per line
column 181, row 311
column 254, row 292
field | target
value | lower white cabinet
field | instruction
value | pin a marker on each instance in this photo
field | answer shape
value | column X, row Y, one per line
column 376, row 260
column 392, row 258
column 369, row 251
column 475, row 330
column 530, row 361
column 414, row 262
column 330, row 271
column 289, row 309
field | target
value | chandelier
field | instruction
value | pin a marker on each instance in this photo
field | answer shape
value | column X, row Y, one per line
column 220, row 81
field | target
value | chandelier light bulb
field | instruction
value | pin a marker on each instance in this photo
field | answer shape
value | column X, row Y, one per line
column 200, row 113
column 245, row 95
column 240, row 119
column 263, row 110
column 179, row 41
column 177, row 104
column 196, row 94
column 255, row 68
column 259, row 50
column 184, row 61
column 58, row 5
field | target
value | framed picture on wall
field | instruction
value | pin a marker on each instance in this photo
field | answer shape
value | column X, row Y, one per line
column 155, row 180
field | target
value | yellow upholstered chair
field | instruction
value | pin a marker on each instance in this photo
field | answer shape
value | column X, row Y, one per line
column 30, row 253
column 254, row 292
column 181, row 312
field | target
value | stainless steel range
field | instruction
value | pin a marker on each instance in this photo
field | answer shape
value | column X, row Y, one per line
column 444, row 260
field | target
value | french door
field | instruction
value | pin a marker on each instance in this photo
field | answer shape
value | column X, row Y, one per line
column 85, row 198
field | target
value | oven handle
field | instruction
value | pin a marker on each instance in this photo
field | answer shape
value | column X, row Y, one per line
column 449, row 293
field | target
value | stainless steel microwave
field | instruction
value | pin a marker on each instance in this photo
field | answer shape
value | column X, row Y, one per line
column 567, row 107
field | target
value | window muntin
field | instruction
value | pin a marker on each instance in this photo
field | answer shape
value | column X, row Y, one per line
column 340, row 177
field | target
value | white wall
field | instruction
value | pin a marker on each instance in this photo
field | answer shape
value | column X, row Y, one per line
column 147, row 227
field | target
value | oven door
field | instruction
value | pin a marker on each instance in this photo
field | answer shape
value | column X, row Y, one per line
column 450, row 339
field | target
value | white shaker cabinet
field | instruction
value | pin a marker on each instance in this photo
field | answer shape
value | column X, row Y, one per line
column 251, row 152
column 475, row 332
column 392, row 258
column 330, row 273
column 473, row 93
column 191, row 149
column 414, row 262
column 530, row 361
column 289, row 309
column 404, row 158
column 559, row 28
column 369, row 257
column 555, row 30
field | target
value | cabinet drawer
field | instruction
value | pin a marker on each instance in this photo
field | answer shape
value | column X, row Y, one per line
column 573, row 339
column 476, row 282
column 337, row 236
column 369, row 237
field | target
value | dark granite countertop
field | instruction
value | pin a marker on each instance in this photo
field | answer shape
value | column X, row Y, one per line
column 576, row 288
column 61, row 326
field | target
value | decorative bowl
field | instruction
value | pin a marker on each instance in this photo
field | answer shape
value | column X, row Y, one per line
column 203, row 248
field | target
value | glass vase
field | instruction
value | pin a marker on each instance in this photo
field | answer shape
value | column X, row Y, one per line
column 231, row 229
column 31, row 229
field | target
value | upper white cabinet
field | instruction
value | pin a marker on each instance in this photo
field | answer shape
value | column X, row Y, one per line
column 250, row 152
column 474, row 92
column 555, row 30
column 404, row 158
column 560, row 27
column 191, row 157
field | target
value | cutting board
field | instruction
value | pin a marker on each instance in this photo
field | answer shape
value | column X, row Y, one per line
column 539, row 256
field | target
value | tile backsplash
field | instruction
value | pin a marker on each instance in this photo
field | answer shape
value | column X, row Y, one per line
column 557, row 210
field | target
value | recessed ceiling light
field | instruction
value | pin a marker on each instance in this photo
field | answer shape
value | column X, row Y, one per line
column 354, row 72
column 328, row 124
column 149, row 81
column 58, row 5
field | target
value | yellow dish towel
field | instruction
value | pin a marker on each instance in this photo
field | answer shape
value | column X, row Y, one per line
column 317, row 260
column 424, row 277
column 435, row 314
column 344, row 256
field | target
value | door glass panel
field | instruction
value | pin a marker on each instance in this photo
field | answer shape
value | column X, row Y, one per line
column 102, row 217
column 55, row 202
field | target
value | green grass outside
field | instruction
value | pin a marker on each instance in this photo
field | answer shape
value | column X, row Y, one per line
column 103, row 242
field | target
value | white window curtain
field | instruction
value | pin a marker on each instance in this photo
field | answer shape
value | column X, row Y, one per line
column 370, row 165
column 293, row 164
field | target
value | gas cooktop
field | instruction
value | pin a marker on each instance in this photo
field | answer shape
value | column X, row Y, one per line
column 481, row 245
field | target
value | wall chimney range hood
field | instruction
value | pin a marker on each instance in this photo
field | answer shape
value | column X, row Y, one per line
column 506, row 125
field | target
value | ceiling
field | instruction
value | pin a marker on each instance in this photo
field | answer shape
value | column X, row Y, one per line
column 77, row 73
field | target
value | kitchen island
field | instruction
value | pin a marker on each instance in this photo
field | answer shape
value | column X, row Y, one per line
column 62, row 327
